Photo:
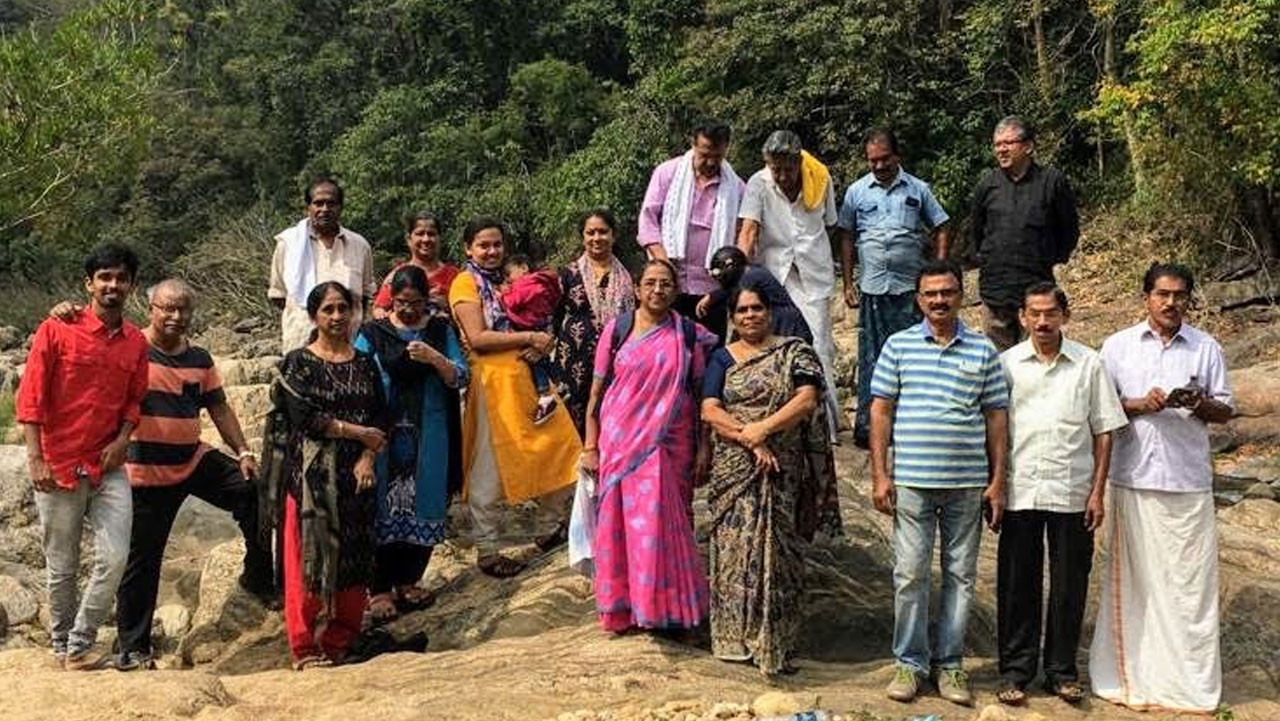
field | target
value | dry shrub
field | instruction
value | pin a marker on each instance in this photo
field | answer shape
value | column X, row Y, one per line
column 230, row 270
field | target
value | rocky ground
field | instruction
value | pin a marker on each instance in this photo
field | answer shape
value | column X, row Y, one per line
column 528, row 648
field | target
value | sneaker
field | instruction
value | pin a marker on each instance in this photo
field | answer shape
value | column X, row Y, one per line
column 953, row 685
column 546, row 406
column 905, row 684
column 133, row 660
column 85, row 660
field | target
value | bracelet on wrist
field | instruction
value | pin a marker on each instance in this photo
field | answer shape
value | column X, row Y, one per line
column 247, row 453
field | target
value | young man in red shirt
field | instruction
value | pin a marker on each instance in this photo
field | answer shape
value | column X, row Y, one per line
column 78, row 403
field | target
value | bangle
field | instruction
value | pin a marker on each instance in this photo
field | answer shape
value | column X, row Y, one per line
column 341, row 430
column 247, row 453
column 590, row 448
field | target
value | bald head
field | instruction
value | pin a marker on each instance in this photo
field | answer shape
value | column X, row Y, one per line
column 172, row 290
column 172, row 302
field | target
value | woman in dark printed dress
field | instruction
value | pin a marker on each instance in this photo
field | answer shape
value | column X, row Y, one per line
column 761, row 396
column 334, row 401
column 597, row 288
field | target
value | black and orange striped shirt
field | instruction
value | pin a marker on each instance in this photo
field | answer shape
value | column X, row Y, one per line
column 166, row 446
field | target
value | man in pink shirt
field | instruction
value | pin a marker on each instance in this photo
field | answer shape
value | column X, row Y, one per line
column 690, row 210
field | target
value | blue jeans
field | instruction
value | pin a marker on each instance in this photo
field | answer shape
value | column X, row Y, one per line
column 879, row 316
column 957, row 514
column 109, row 513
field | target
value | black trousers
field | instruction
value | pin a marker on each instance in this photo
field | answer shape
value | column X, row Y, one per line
column 1020, row 592
column 216, row 480
column 398, row 564
column 686, row 304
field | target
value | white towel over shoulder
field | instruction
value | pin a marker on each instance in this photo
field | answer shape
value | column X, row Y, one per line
column 679, row 204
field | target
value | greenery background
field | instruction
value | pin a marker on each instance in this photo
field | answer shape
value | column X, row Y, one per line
column 188, row 128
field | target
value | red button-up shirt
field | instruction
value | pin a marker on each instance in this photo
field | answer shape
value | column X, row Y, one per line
column 82, row 381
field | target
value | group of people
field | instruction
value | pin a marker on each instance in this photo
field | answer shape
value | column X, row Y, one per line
column 714, row 368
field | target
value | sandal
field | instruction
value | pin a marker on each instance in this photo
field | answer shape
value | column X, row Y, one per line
column 499, row 566
column 413, row 598
column 1011, row 695
column 1068, row 691
column 382, row 608
column 314, row 660
column 553, row 540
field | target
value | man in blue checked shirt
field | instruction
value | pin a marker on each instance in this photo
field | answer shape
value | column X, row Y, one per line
column 895, row 224
column 939, row 392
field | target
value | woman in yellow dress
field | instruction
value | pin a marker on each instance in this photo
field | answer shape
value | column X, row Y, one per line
column 506, row 456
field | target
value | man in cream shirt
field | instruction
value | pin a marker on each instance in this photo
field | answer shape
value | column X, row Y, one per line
column 316, row 250
column 1063, row 409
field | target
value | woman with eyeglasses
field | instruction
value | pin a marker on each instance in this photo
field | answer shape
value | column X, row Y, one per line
column 771, row 461
column 422, row 365
column 644, row 441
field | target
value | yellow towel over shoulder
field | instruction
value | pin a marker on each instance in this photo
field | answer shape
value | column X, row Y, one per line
column 813, row 179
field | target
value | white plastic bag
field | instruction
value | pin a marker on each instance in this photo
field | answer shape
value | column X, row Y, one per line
column 582, row 524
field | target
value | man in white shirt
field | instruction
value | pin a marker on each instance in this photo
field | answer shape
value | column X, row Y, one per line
column 1063, row 409
column 785, row 213
column 1155, row 644
column 316, row 250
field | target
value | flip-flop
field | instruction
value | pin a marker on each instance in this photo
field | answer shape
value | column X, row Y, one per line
column 382, row 608
column 314, row 660
column 1068, row 691
column 553, row 540
column 413, row 598
column 499, row 566
column 1011, row 695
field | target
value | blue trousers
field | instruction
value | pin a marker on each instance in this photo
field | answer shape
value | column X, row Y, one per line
column 879, row 316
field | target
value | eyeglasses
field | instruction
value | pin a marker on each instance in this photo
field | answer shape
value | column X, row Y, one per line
column 943, row 293
column 178, row 310
column 655, row 283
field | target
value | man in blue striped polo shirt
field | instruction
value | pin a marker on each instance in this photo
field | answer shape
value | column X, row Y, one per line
column 938, row 391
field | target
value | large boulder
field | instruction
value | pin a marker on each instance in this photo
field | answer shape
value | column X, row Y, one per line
column 227, row 614
column 21, row 604
column 247, row 371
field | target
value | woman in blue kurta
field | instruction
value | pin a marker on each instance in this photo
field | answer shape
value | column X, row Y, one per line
column 422, row 364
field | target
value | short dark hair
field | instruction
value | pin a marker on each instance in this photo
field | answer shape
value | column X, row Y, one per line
column 479, row 223
column 319, row 182
column 940, row 267
column 602, row 213
column 518, row 259
column 422, row 216
column 717, row 131
column 111, row 255
column 1044, row 287
column 317, row 294
column 881, row 136
column 1167, row 270
column 410, row 276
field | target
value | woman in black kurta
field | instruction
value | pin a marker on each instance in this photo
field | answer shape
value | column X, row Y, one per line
column 596, row 288
column 335, row 404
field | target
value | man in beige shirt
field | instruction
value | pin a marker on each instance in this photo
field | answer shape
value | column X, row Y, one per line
column 1063, row 409
column 316, row 250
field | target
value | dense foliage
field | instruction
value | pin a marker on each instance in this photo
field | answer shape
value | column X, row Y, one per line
column 189, row 127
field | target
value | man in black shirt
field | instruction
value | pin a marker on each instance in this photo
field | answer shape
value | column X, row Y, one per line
column 1024, row 222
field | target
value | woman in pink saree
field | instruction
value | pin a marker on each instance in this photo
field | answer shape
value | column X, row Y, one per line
column 646, row 444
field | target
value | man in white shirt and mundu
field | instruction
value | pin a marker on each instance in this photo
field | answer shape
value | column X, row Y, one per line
column 785, row 213
column 1155, row 645
column 1063, row 410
